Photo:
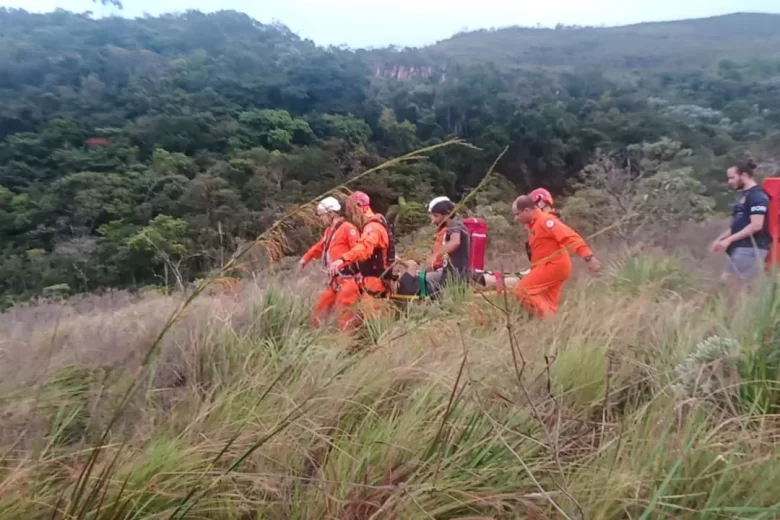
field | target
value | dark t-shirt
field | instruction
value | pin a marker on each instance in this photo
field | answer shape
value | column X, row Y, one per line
column 753, row 201
column 459, row 259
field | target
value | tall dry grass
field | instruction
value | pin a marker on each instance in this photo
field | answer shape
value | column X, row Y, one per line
column 462, row 409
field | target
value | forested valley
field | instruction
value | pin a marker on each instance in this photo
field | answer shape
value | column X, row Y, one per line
column 132, row 146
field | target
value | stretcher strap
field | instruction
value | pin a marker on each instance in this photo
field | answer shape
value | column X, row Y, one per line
column 408, row 298
column 423, row 286
column 499, row 282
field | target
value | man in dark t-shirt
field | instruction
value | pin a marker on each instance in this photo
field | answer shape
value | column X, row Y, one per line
column 453, row 244
column 747, row 240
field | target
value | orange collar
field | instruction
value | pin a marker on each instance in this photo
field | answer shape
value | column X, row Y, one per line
column 533, row 220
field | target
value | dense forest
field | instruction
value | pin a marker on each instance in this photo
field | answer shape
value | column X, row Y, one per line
column 131, row 146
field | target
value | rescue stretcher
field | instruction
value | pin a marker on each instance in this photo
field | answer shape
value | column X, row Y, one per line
column 413, row 285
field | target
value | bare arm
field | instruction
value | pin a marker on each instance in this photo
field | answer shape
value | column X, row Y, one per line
column 451, row 245
column 756, row 223
column 723, row 236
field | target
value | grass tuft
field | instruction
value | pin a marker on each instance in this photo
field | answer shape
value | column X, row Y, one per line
column 463, row 408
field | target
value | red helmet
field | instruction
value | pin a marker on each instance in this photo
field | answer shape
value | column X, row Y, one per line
column 541, row 195
column 359, row 199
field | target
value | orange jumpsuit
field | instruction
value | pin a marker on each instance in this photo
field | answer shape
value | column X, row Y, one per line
column 337, row 240
column 549, row 239
column 374, row 236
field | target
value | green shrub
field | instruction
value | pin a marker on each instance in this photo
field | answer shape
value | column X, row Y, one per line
column 710, row 370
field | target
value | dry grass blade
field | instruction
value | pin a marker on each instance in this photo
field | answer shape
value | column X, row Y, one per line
column 285, row 422
column 448, row 411
column 270, row 419
column 282, row 373
column 551, row 443
column 271, row 239
column 458, row 206
column 267, row 238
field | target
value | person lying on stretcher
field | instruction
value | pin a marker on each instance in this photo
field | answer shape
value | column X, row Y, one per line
column 451, row 253
column 450, row 258
column 411, row 283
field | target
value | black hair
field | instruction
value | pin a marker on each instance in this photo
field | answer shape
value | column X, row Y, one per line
column 747, row 167
column 444, row 207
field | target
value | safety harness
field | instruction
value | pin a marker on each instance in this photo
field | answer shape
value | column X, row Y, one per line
column 360, row 281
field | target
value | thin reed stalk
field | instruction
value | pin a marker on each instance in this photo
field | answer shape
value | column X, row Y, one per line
column 270, row 239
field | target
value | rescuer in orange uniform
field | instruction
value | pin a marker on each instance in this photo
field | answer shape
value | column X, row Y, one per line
column 369, row 258
column 340, row 236
column 544, row 201
column 549, row 239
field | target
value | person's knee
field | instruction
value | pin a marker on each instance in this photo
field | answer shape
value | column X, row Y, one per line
column 434, row 279
column 327, row 299
column 526, row 298
column 348, row 293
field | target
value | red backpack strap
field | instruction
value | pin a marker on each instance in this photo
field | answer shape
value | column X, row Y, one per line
column 499, row 282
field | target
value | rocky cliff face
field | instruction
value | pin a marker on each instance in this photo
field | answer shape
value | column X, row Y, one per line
column 406, row 72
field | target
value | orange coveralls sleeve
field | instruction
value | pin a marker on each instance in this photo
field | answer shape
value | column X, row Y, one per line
column 373, row 236
column 316, row 251
column 567, row 238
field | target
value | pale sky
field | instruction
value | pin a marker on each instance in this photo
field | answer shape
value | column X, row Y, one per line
column 377, row 23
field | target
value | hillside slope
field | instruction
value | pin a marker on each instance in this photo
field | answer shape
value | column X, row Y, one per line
column 647, row 395
column 678, row 45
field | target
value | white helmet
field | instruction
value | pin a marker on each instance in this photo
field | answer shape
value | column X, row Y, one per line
column 329, row 205
column 435, row 201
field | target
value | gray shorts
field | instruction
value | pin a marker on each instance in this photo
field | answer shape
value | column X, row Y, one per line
column 746, row 262
column 434, row 278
